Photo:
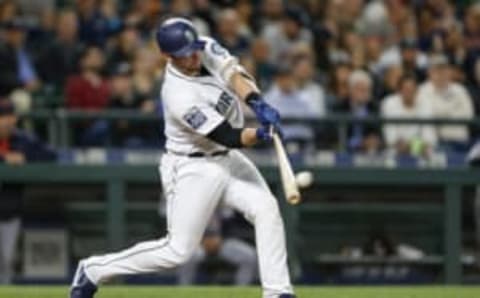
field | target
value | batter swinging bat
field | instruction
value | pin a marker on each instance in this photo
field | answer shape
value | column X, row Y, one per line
column 290, row 187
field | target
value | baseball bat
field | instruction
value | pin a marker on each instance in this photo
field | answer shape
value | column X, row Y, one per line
column 290, row 188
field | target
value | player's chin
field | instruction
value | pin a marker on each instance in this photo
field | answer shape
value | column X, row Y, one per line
column 195, row 68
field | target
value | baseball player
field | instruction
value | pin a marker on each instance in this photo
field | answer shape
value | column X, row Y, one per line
column 203, row 90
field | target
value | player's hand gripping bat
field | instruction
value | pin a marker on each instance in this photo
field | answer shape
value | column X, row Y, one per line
column 290, row 188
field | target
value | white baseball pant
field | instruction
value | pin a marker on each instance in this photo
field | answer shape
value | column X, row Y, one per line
column 193, row 188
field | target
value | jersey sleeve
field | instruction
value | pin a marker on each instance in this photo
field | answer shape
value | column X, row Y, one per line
column 219, row 62
column 201, row 118
column 191, row 107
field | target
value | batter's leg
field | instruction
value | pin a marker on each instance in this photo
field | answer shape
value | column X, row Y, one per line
column 248, row 193
column 192, row 201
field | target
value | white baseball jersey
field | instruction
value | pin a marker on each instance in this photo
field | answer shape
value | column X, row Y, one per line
column 193, row 107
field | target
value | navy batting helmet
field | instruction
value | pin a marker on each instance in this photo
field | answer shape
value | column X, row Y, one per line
column 178, row 37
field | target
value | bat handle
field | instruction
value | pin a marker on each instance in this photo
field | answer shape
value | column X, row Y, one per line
column 272, row 131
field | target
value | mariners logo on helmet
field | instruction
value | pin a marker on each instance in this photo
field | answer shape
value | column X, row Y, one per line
column 190, row 36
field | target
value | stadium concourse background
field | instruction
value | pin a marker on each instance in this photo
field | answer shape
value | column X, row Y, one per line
column 381, row 101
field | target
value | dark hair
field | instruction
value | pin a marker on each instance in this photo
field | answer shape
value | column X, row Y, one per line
column 404, row 78
column 333, row 81
column 6, row 107
column 86, row 50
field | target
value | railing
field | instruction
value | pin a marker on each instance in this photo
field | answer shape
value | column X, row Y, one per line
column 59, row 122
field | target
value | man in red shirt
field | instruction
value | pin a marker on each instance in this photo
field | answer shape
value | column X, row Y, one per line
column 88, row 90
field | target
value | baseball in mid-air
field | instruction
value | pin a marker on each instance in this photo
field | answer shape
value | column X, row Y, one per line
column 304, row 179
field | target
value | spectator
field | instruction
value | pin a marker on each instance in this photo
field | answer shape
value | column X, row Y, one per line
column 43, row 32
column 285, row 96
column 16, row 65
column 232, row 250
column 146, row 80
column 472, row 27
column 412, row 60
column 229, row 34
column 430, row 33
column 375, row 20
column 474, row 85
column 146, row 14
column 96, row 23
column 388, row 83
column 128, row 42
column 58, row 60
column 260, row 51
column 448, row 100
column 344, row 12
column 361, row 137
column 412, row 139
column 123, row 96
column 16, row 148
column 88, row 90
column 8, row 11
column 407, row 54
column 373, row 46
column 303, row 50
column 184, row 8
column 357, row 51
column 203, row 10
column 245, row 10
column 303, row 73
column 338, row 89
column 288, row 32
column 455, row 44
column 271, row 13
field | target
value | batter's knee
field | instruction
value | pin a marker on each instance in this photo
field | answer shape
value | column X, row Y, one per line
column 267, row 207
column 181, row 255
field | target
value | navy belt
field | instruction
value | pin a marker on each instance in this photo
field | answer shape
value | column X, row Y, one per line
column 203, row 154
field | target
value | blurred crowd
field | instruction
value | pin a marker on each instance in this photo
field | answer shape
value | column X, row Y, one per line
column 390, row 58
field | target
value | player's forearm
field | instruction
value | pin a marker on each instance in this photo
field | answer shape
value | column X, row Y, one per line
column 242, row 85
column 249, row 137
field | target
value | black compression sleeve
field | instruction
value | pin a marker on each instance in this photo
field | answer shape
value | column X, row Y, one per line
column 226, row 135
column 252, row 97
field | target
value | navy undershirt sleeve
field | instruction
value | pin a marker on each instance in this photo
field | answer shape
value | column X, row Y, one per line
column 226, row 135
